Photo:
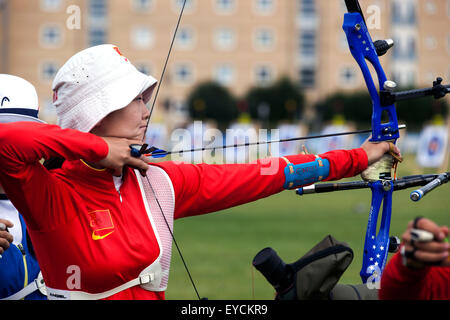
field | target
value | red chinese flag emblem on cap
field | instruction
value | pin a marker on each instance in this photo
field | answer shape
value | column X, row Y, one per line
column 120, row 53
column 101, row 224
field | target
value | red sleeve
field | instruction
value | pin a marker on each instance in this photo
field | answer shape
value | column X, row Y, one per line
column 402, row 283
column 345, row 163
column 204, row 188
column 29, row 186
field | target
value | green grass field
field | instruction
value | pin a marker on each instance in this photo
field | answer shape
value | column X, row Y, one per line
column 220, row 247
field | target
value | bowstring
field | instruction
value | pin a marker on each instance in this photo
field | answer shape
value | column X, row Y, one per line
column 145, row 133
column 165, row 67
column 174, row 240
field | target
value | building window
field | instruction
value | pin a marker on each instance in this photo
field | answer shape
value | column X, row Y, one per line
column 263, row 75
column 224, row 39
column 51, row 5
column 142, row 37
column 396, row 13
column 142, row 5
column 224, row 74
column 97, row 8
column 411, row 49
column 404, row 78
column 184, row 73
column 185, row 38
column 264, row 6
column 264, row 39
column 144, row 68
column 395, row 76
column 307, row 7
column 307, row 77
column 347, row 76
column 51, row 36
column 411, row 78
column 97, row 36
column 178, row 5
column 405, row 48
column 403, row 13
column 308, row 43
column 430, row 7
column 411, row 14
column 48, row 71
column 224, row 6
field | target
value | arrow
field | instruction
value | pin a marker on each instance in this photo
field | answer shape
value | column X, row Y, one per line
column 159, row 153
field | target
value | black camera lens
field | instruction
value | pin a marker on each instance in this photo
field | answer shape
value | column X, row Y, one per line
column 273, row 269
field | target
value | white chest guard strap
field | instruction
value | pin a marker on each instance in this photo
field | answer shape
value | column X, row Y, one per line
column 37, row 284
column 56, row 294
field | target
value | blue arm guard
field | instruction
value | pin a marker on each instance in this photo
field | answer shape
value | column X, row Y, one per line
column 305, row 173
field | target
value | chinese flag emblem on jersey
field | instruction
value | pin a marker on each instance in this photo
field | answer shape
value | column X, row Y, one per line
column 101, row 224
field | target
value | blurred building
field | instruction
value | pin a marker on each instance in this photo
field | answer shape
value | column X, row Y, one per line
column 239, row 43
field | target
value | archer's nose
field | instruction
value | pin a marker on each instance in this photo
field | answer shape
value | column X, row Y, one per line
column 145, row 111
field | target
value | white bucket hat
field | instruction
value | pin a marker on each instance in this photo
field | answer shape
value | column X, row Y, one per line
column 95, row 82
column 18, row 100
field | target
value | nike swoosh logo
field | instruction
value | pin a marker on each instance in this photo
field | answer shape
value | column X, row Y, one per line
column 96, row 237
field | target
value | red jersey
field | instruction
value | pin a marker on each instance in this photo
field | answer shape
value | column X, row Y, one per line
column 79, row 221
column 400, row 282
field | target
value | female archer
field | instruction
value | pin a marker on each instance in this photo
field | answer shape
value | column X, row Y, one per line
column 101, row 224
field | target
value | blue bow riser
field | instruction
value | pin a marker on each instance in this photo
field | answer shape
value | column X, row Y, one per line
column 362, row 49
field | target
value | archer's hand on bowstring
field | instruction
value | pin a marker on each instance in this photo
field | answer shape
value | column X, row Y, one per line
column 425, row 251
column 119, row 156
column 375, row 151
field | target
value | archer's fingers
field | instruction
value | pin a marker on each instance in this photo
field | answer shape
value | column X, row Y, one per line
column 6, row 223
column 394, row 151
column 7, row 236
column 430, row 226
column 429, row 257
column 4, row 244
column 138, row 163
column 432, row 247
column 406, row 236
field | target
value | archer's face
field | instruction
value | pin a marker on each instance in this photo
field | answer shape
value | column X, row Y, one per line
column 129, row 122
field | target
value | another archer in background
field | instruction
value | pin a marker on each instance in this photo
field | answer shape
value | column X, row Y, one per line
column 18, row 266
column 97, row 216
column 421, row 270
